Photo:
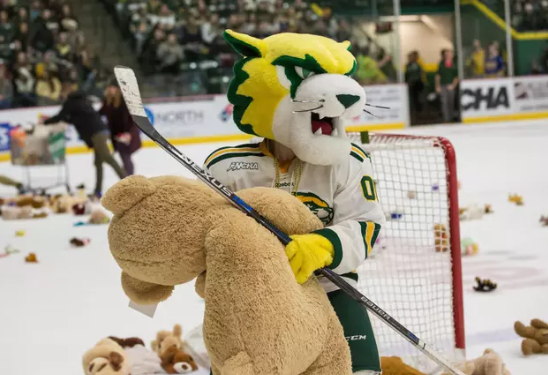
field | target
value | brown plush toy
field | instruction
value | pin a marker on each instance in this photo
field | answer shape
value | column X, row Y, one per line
column 536, row 337
column 490, row 363
column 396, row 366
column 106, row 358
column 168, row 230
column 167, row 339
column 175, row 361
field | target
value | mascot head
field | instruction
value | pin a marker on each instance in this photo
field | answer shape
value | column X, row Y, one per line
column 296, row 89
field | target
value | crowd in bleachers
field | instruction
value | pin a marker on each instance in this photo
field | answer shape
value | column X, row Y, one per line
column 42, row 53
column 168, row 33
column 529, row 15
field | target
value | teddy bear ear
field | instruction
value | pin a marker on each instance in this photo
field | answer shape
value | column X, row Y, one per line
column 144, row 293
column 127, row 193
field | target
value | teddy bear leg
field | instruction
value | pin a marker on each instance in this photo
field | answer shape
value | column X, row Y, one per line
column 524, row 331
column 240, row 364
column 530, row 346
column 539, row 324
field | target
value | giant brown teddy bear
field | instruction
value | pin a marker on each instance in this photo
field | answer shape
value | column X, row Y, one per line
column 167, row 231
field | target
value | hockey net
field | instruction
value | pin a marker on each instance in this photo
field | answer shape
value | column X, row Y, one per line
column 414, row 272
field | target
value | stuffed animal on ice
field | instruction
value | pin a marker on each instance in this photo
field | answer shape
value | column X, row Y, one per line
column 142, row 360
column 490, row 363
column 536, row 337
column 258, row 319
column 166, row 339
column 168, row 345
column 106, row 358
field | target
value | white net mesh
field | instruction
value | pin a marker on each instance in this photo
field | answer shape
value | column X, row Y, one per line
column 409, row 273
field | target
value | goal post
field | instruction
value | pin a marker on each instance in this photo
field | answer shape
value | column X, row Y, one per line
column 414, row 272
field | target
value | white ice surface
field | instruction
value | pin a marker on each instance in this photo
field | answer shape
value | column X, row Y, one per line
column 53, row 311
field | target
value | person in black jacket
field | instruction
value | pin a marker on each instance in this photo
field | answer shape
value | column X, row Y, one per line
column 79, row 112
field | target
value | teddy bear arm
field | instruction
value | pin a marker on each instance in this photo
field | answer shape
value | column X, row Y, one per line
column 539, row 324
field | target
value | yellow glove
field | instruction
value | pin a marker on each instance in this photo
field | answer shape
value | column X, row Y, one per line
column 308, row 253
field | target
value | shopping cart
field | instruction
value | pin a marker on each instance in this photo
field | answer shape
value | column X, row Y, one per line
column 42, row 156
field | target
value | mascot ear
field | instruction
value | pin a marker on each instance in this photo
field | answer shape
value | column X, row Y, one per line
column 346, row 44
column 144, row 293
column 245, row 45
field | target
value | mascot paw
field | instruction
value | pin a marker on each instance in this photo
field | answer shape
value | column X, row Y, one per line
column 308, row 253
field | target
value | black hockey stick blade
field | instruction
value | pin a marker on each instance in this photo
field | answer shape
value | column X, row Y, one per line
column 130, row 91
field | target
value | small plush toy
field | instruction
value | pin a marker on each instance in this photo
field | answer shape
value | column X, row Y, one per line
column 79, row 242
column 98, row 216
column 412, row 194
column 474, row 211
column 8, row 250
column 515, row 198
column 142, row 360
column 468, row 246
column 176, row 361
column 106, row 358
column 31, row 258
column 544, row 220
column 32, row 201
column 490, row 363
column 485, row 285
column 536, row 337
column 79, row 209
column 157, row 247
column 396, row 366
column 166, row 339
column 441, row 237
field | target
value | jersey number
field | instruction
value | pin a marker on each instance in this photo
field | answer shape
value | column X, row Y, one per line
column 368, row 188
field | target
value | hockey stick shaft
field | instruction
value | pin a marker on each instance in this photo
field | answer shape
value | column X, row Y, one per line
column 130, row 91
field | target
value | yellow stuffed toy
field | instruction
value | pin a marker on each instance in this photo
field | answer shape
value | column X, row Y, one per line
column 258, row 319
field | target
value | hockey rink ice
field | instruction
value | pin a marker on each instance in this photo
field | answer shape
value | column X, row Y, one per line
column 53, row 311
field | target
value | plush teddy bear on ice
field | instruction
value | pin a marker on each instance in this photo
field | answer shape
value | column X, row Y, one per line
column 167, row 231
column 536, row 337
column 106, row 358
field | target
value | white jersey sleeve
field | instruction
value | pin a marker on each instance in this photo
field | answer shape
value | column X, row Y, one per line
column 358, row 216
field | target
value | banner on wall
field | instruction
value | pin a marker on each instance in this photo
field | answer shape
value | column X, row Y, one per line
column 208, row 116
column 486, row 97
column 531, row 94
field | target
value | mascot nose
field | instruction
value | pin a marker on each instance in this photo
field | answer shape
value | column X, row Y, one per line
column 347, row 100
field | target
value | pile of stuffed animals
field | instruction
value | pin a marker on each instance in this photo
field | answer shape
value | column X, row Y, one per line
column 39, row 206
column 130, row 356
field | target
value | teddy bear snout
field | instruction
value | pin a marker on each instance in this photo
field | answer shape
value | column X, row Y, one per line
column 183, row 368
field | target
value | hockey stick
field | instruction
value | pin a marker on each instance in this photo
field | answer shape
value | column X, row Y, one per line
column 130, row 91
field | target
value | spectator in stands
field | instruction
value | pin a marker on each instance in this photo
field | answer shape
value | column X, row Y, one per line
column 48, row 89
column 476, row 62
column 192, row 40
column 35, row 10
column 63, row 47
column 66, row 19
column 22, row 35
column 494, row 64
column 92, row 130
column 6, row 88
column 22, row 16
column 446, row 84
column 170, row 55
column 150, row 50
column 415, row 84
column 368, row 72
column 42, row 38
column 46, row 63
column 211, row 30
column 124, row 134
column 6, row 28
column 24, row 82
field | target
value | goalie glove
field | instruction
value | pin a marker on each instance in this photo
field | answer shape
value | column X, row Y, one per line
column 308, row 253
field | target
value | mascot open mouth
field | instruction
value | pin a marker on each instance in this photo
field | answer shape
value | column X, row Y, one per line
column 323, row 126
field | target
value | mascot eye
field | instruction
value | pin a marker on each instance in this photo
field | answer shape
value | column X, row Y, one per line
column 303, row 73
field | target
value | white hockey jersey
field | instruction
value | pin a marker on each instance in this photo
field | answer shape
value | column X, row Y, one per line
column 342, row 196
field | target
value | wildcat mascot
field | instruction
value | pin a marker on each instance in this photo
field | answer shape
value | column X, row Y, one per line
column 296, row 91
